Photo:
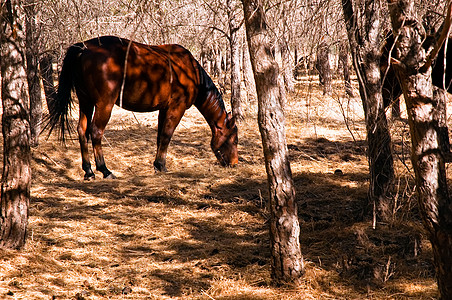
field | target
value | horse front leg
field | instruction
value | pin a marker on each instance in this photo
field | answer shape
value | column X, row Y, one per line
column 100, row 120
column 168, row 121
column 83, row 136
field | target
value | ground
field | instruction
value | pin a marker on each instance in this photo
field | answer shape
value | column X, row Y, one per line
column 200, row 231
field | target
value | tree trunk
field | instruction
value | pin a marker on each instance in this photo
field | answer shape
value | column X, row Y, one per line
column 15, row 190
column 343, row 60
column 34, row 85
column 47, row 77
column 412, row 64
column 365, row 48
column 248, row 78
column 234, row 26
column 440, row 119
column 287, row 262
column 289, row 79
column 324, row 68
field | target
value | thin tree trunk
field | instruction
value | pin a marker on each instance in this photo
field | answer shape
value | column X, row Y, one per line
column 34, row 85
column 324, row 68
column 412, row 64
column 343, row 60
column 234, row 26
column 365, row 48
column 15, row 190
column 440, row 119
column 287, row 262
column 289, row 79
column 248, row 77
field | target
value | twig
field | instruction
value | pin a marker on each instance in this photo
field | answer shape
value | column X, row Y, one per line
column 439, row 43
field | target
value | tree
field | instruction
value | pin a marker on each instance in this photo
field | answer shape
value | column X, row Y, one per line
column 412, row 62
column 15, row 189
column 324, row 68
column 287, row 262
column 32, row 59
column 343, row 62
column 234, row 42
column 364, row 29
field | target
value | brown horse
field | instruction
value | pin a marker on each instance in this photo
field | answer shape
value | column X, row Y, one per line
column 109, row 70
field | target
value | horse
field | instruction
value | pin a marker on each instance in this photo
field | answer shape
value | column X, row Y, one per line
column 109, row 70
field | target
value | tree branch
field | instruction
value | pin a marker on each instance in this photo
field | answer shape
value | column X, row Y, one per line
column 439, row 43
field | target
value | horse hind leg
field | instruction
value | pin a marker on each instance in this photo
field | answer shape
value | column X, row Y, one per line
column 100, row 120
column 83, row 135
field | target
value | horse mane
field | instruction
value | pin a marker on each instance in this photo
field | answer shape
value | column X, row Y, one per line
column 207, row 89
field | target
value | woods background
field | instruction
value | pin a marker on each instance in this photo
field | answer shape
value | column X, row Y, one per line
column 201, row 232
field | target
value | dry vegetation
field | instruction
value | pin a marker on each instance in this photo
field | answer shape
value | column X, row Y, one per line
column 199, row 231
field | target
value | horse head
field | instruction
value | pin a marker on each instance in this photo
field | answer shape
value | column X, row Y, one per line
column 224, row 142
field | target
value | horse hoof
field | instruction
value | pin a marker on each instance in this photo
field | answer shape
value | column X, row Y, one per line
column 159, row 167
column 110, row 176
column 160, row 170
column 89, row 177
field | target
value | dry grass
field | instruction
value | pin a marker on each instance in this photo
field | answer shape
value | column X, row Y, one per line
column 200, row 231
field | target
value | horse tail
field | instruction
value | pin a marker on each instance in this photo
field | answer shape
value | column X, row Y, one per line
column 60, row 104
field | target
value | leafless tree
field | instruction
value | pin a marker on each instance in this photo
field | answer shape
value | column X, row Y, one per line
column 32, row 60
column 413, row 64
column 287, row 262
column 235, row 23
column 16, row 179
column 364, row 27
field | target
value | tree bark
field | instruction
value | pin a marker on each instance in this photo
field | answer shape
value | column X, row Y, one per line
column 412, row 64
column 365, row 49
column 15, row 189
column 323, row 66
column 287, row 262
column 34, row 84
column 343, row 60
column 234, row 42
column 248, row 78
column 289, row 78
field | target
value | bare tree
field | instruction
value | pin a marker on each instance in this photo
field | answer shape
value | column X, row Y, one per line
column 364, row 28
column 32, row 58
column 287, row 262
column 324, row 68
column 248, row 79
column 15, row 190
column 235, row 22
column 413, row 64
column 343, row 61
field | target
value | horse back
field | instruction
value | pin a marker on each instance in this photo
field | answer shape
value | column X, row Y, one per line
column 151, row 78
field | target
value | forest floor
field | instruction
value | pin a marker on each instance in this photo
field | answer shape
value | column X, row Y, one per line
column 200, row 231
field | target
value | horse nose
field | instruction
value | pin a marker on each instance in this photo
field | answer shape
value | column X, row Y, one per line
column 234, row 162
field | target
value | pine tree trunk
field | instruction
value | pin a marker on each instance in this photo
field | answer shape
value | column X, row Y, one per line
column 287, row 262
column 34, row 85
column 414, row 72
column 15, row 190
